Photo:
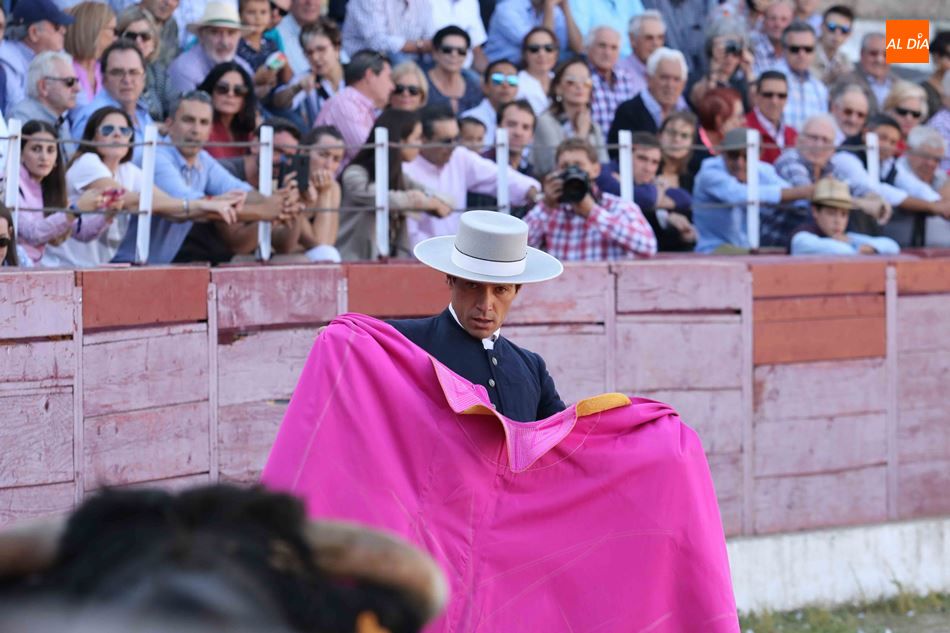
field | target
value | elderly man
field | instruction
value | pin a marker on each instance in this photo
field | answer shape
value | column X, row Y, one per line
column 162, row 11
column 302, row 13
column 123, row 81
column 807, row 95
column 589, row 14
column 612, row 86
column 722, row 181
column 667, row 72
column 500, row 84
column 647, row 33
column 830, row 61
column 767, row 43
column 768, row 115
column 219, row 33
column 850, row 109
column 34, row 26
column 873, row 73
column 400, row 29
column 51, row 88
column 925, row 149
column 369, row 83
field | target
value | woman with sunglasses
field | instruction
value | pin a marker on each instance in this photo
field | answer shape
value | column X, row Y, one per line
column 449, row 84
column 677, row 167
column 569, row 116
column 235, row 108
column 137, row 25
column 411, row 87
column 539, row 50
column 907, row 103
column 86, row 39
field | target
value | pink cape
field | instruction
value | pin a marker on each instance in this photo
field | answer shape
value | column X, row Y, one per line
column 601, row 518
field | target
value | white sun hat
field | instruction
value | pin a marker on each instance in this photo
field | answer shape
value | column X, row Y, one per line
column 221, row 15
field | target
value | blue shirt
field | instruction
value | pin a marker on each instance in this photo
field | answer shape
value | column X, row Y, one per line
column 805, row 243
column 179, row 180
column 589, row 14
column 510, row 22
column 714, row 185
column 102, row 99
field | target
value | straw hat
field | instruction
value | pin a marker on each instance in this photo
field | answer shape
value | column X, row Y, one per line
column 832, row 193
column 490, row 247
column 220, row 15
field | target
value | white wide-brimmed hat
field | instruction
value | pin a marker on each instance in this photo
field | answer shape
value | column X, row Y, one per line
column 490, row 247
column 220, row 15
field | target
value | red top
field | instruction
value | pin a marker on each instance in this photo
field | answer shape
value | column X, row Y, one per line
column 221, row 134
column 770, row 152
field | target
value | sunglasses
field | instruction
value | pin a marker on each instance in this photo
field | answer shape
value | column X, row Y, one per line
column 237, row 90
column 109, row 130
column 537, row 48
column 575, row 80
column 458, row 50
column 143, row 36
column 774, row 95
column 501, row 78
column 832, row 26
column 415, row 91
column 5, row 242
column 795, row 50
column 281, row 12
column 911, row 113
column 69, row 82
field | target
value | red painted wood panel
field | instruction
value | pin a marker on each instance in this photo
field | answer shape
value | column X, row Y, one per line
column 275, row 295
column 575, row 356
column 680, row 285
column 812, row 308
column 36, row 303
column 395, row 290
column 819, row 390
column 20, row 504
column 263, row 365
column 923, row 323
column 715, row 414
column 144, row 373
column 578, row 296
column 796, row 278
column 777, row 342
column 246, row 433
column 851, row 497
column 37, row 437
column 923, row 276
column 120, row 297
column 161, row 443
column 922, row 489
column 726, row 472
column 816, row 445
column 678, row 352
column 37, row 362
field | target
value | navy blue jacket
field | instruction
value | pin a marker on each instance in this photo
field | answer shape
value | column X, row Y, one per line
column 517, row 380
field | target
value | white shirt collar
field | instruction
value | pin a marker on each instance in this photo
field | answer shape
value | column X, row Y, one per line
column 487, row 343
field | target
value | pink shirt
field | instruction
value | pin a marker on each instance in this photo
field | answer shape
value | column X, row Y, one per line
column 87, row 92
column 353, row 113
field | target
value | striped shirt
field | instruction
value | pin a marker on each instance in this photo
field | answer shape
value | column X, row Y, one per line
column 385, row 25
column 606, row 97
column 807, row 96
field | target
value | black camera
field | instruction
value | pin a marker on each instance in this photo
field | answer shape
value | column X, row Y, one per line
column 576, row 184
column 733, row 47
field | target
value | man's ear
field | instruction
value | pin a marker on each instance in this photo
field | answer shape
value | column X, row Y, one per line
column 595, row 170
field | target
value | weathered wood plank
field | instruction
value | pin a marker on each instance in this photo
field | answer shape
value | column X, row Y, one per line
column 922, row 489
column 577, row 296
column 36, row 303
column 145, row 373
column 923, row 276
column 923, row 434
column 816, row 445
column 680, row 285
column 395, row 289
column 263, row 365
column 136, row 333
column 173, row 484
column 29, row 502
column 789, row 277
column 819, row 390
column 923, row 378
column 37, row 361
column 811, row 308
column 246, row 433
column 162, row 443
column 726, row 472
column 575, row 356
column 715, row 414
column 852, row 497
column 923, row 323
column 37, row 438
column 275, row 295
column 819, row 339
column 678, row 352
column 119, row 297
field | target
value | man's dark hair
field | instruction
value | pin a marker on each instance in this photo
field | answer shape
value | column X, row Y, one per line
column 519, row 104
column 940, row 44
column 798, row 26
column 327, row 27
column 314, row 135
column 362, row 62
column 838, row 9
column 192, row 95
column 280, row 124
column 448, row 31
column 574, row 144
column 775, row 75
column 493, row 65
column 880, row 119
column 646, row 139
column 470, row 120
column 120, row 44
column 432, row 114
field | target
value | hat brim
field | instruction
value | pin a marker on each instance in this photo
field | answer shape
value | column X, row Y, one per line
column 194, row 27
column 436, row 252
column 835, row 203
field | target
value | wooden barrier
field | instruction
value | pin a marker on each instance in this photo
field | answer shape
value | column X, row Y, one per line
column 817, row 386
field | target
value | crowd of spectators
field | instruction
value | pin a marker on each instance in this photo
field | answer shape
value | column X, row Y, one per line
column 562, row 77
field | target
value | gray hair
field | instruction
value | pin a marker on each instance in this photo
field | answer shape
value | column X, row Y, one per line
column 821, row 118
column 666, row 54
column 868, row 37
column 797, row 26
column 726, row 26
column 636, row 22
column 42, row 66
column 848, row 89
column 925, row 136
column 594, row 32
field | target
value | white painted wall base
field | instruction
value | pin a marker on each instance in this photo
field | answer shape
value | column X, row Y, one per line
column 828, row 567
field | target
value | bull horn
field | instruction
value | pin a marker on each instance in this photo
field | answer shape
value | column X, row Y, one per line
column 30, row 546
column 356, row 551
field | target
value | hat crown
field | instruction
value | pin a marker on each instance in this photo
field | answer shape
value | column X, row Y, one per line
column 832, row 192
column 492, row 236
column 734, row 139
column 219, row 13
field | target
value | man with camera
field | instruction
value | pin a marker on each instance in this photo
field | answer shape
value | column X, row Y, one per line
column 575, row 222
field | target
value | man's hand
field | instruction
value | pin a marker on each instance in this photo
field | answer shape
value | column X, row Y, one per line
column 682, row 224
column 217, row 209
column 585, row 206
column 553, row 187
column 867, row 249
column 234, row 198
column 942, row 208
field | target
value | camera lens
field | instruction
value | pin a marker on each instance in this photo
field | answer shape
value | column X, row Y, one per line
column 576, row 185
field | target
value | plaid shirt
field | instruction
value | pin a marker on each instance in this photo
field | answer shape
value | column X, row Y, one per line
column 606, row 98
column 764, row 56
column 806, row 96
column 614, row 229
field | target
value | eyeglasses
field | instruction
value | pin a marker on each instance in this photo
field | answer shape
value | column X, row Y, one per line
column 280, row 11
column 69, row 82
column 109, row 130
column 911, row 113
column 144, row 36
column 237, row 90
column 122, row 73
column 774, row 95
column 415, row 91
column 537, row 48
column 832, row 26
column 447, row 141
column 855, row 113
column 458, row 50
column 795, row 50
column 501, row 78
column 5, row 242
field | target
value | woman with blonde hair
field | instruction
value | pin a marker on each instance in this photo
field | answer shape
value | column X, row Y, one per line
column 86, row 39
column 411, row 87
column 906, row 102
column 139, row 27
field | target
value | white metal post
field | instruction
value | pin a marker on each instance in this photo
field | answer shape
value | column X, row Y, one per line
column 381, row 155
column 501, row 161
column 626, row 165
column 143, row 234
column 874, row 158
column 752, row 187
column 266, row 187
column 11, row 196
